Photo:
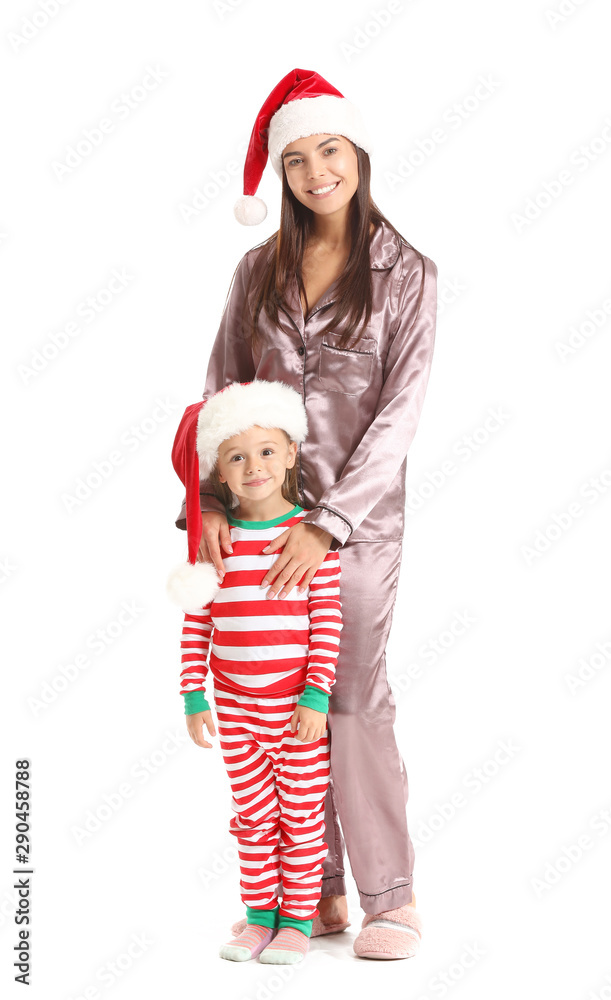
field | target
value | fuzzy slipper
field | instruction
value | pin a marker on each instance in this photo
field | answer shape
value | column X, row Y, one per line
column 318, row 928
column 390, row 934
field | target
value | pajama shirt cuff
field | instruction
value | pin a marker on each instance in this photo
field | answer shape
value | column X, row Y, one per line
column 314, row 698
column 331, row 521
column 195, row 701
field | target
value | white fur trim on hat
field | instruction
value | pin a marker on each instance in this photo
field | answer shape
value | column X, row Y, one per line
column 250, row 210
column 191, row 586
column 312, row 115
column 239, row 407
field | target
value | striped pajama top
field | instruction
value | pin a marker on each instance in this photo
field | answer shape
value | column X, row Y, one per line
column 261, row 647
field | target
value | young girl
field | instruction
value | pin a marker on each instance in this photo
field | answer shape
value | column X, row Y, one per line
column 342, row 308
column 273, row 663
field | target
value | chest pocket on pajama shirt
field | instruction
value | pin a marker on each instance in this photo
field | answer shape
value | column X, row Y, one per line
column 343, row 369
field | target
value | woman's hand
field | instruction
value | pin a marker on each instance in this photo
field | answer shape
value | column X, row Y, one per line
column 215, row 533
column 312, row 724
column 305, row 547
column 195, row 727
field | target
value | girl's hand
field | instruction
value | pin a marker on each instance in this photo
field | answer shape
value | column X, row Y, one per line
column 215, row 533
column 305, row 547
column 195, row 726
column 312, row 724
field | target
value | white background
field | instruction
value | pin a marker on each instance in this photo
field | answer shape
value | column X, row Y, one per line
column 512, row 531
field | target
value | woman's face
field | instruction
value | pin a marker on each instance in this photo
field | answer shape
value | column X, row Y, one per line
column 322, row 171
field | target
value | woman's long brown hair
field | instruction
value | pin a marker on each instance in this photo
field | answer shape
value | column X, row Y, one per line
column 274, row 269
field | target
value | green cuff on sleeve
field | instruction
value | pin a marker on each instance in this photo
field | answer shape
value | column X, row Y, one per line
column 314, row 698
column 195, row 701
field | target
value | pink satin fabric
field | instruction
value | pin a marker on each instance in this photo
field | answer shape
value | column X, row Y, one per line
column 363, row 407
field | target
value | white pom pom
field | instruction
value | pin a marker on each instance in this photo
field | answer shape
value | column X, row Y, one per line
column 191, row 586
column 250, row 210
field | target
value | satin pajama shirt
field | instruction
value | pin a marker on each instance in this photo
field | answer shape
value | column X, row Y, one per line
column 363, row 404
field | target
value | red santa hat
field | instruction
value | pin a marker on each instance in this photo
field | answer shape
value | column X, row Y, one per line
column 302, row 104
column 203, row 428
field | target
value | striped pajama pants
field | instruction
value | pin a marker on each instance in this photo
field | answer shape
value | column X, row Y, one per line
column 278, row 786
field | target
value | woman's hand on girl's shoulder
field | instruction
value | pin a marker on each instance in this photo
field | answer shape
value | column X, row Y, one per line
column 305, row 547
column 215, row 535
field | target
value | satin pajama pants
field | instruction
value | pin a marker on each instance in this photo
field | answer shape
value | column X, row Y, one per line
column 278, row 784
column 368, row 790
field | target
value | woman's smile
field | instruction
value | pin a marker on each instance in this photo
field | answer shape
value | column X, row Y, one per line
column 323, row 191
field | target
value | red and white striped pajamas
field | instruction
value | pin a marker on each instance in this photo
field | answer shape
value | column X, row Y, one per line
column 265, row 657
column 278, row 785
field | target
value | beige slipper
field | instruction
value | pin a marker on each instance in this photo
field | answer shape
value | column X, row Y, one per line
column 390, row 934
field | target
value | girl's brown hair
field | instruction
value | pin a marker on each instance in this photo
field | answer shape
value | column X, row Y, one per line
column 290, row 489
column 284, row 258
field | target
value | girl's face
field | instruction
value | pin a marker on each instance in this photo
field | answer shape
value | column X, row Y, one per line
column 322, row 171
column 254, row 463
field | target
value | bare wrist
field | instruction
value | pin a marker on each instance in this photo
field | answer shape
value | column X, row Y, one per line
column 322, row 531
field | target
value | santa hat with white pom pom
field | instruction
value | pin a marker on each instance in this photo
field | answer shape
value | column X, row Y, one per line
column 203, row 427
column 193, row 584
column 302, row 104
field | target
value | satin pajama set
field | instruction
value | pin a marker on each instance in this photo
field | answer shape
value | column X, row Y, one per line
column 363, row 405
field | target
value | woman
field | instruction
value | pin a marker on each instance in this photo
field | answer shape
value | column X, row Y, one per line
column 362, row 369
